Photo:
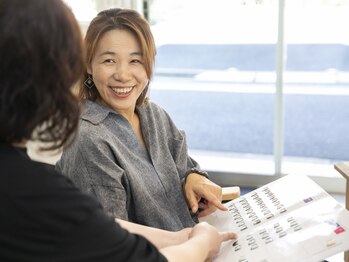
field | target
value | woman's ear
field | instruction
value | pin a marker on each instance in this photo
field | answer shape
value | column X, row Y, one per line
column 89, row 70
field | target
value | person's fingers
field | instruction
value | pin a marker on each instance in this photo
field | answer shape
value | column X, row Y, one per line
column 219, row 205
column 208, row 210
column 204, row 213
column 203, row 205
column 192, row 202
column 225, row 236
column 212, row 199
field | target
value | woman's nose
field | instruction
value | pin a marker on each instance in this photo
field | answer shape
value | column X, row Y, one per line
column 121, row 73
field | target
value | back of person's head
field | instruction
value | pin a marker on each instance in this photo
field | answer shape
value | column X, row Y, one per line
column 41, row 58
column 121, row 19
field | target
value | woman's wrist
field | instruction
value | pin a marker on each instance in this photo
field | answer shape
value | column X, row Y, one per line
column 194, row 170
column 181, row 236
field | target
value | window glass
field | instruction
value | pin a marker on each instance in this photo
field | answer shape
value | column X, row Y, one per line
column 316, row 86
column 216, row 71
column 215, row 75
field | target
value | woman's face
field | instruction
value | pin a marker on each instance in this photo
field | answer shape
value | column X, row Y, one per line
column 117, row 70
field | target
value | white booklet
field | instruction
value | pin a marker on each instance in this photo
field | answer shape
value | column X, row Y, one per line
column 291, row 219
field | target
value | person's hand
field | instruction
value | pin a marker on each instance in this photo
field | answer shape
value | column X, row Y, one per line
column 202, row 194
column 182, row 235
column 214, row 238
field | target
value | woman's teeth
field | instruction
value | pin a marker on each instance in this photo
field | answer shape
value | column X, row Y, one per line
column 123, row 90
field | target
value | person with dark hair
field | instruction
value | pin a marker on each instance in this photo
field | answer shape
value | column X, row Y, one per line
column 44, row 216
column 128, row 153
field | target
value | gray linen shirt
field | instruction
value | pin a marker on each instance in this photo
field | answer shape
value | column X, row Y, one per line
column 142, row 185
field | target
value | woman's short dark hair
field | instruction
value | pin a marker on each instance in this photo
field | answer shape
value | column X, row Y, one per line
column 122, row 19
column 41, row 58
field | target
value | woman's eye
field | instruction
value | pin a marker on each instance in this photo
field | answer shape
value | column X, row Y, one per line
column 109, row 61
column 136, row 61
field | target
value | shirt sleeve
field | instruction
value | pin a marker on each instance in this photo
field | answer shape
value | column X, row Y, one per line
column 91, row 165
column 178, row 147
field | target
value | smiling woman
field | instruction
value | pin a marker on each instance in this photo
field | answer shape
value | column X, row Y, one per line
column 118, row 72
column 129, row 154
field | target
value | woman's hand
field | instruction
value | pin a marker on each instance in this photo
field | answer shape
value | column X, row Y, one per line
column 202, row 194
column 203, row 243
column 213, row 238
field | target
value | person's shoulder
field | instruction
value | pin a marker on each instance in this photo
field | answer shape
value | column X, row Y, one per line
column 43, row 177
column 151, row 107
column 94, row 113
column 18, row 168
column 25, row 177
column 91, row 122
column 54, row 186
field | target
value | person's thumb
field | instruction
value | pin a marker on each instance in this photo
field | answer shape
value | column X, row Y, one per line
column 192, row 202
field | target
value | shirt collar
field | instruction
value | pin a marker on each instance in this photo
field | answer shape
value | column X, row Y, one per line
column 95, row 113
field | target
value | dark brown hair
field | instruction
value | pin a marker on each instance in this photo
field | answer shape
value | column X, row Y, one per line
column 41, row 58
column 123, row 19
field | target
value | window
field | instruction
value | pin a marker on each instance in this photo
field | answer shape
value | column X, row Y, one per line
column 216, row 75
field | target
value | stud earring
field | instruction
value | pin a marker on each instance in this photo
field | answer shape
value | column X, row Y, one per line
column 89, row 82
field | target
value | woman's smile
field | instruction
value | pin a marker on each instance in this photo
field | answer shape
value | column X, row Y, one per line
column 122, row 91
